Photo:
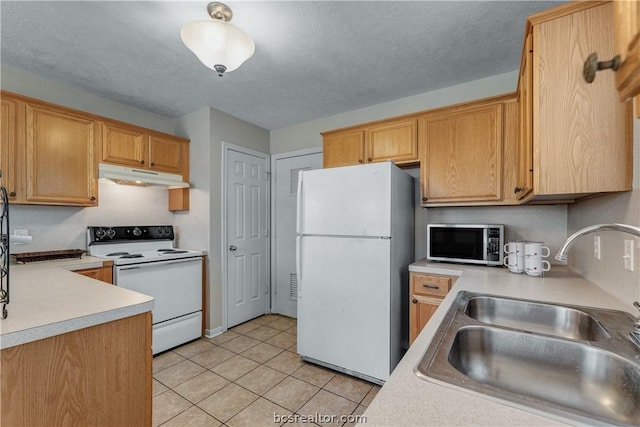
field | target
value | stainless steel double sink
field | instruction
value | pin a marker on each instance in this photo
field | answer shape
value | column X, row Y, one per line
column 573, row 362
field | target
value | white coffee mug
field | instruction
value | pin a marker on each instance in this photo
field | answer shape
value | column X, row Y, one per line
column 535, row 249
column 515, row 247
column 514, row 262
column 535, row 266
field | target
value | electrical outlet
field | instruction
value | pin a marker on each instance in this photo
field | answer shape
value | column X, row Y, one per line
column 21, row 232
column 596, row 247
column 628, row 255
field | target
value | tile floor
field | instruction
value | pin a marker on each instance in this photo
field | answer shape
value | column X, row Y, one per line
column 252, row 376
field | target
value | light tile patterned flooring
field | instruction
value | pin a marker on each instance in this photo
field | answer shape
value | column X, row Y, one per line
column 251, row 375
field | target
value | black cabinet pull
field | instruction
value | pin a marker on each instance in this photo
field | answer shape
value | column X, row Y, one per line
column 430, row 286
column 369, row 159
column 424, row 199
column 93, row 198
column 415, row 301
column 12, row 194
column 142, row 162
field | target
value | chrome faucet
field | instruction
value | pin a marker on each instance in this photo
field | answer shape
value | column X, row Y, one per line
column 562, row 253
column 634, row 335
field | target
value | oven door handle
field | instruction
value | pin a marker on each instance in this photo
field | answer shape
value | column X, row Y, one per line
column 156, row 263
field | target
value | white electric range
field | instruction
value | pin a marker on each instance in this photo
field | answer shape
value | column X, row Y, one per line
column 145, row 261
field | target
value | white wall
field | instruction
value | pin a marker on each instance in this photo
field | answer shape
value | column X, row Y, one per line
column 207, row 130
column 307, row 134
column 64, row 227
column 609, row 272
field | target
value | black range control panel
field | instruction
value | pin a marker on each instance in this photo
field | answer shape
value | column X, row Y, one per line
column 130, row 233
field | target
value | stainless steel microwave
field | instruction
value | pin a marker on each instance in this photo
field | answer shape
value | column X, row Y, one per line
column 465, row 243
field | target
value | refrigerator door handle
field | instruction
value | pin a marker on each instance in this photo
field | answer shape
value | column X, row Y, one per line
column 299, row 265
column 299, row 204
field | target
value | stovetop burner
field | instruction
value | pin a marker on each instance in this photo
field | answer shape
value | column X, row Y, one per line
column 117, row 254
column 172, row 251
column 132, row 256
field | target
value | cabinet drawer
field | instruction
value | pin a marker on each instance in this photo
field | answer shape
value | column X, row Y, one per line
column 423, row 284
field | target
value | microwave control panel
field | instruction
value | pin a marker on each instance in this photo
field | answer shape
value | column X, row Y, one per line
column 493, row 244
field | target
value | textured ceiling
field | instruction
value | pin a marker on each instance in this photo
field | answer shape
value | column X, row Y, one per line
column 313, row 58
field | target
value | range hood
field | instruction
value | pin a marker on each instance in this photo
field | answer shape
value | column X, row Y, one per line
column 140, row 177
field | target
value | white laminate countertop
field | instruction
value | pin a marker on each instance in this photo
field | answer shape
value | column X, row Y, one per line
column 48, row 299
column 406, row 400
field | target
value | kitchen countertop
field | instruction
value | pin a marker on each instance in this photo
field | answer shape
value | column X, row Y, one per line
column 408, row 400
column 48, row 299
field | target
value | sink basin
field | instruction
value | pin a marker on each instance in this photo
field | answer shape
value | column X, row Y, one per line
column 568, row 362
column 577, row 376
column 536, row 317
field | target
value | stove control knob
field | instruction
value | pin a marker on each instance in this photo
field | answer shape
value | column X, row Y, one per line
column 167, row 231
column 137, row 232
column 111, row 233
column 100, row 233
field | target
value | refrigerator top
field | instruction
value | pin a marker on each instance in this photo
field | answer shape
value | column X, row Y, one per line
column 351, row 201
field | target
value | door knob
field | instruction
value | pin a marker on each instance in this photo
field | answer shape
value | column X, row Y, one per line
column 233, row 248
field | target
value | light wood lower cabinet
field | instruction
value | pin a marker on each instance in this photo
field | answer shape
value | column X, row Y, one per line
column 426, row 293
column 104, row 274
column 97, row 376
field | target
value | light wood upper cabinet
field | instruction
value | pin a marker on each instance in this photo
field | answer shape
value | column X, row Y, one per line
column 124, row 146
column 524, row 184
column 343, row 148
column 135, row 147
column 60, row 162
column 396, row 140
column 626, row 26
column 8, row 146
column 462, row 158
column 581, row 133
column 166, row 154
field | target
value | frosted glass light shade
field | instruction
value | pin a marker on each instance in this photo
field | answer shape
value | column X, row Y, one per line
column 216, row 42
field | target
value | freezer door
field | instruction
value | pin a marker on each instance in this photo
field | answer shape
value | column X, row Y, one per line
column 344, row 304
column 347, row 201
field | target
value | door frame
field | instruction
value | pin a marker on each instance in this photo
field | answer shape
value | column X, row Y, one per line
column 226, row 147
column 274, row 159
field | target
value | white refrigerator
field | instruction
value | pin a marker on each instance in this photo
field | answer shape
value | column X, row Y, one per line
column 354, row 245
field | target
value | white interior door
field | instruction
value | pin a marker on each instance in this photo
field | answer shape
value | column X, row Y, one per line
column 247, row 240
column 285, row 189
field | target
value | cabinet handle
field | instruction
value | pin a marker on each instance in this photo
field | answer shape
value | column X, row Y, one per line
column 369, row 159
column 152, row 164
column 592, row 66
column 517, row 190
column 93, row 198
column 431, row 286
column 12, row 194
column 359, row 160
column 424, row 199
column 415, row 301
column 142, row 162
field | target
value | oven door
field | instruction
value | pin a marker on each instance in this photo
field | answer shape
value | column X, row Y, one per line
column 176, row 285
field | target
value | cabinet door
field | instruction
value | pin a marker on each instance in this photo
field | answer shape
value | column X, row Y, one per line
column 124, row 146
column 582, row 132
column 60, row 158
column 626, row 27
column 8, row 141
column 525, row 147
column 165, row 154
column 103, row 274
column 396, row 141
column 343, row 149
column 462, row 160
column 420, row 311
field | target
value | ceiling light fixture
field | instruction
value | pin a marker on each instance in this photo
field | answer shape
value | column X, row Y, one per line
column 219, row 45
